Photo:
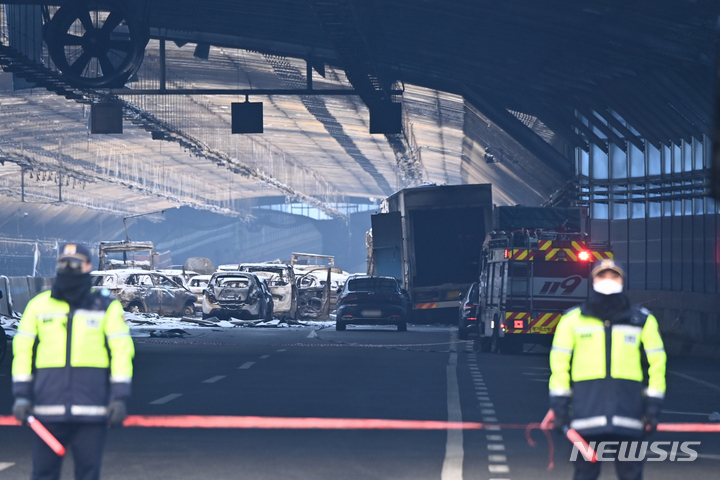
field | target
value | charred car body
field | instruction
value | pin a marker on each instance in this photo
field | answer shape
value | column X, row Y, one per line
column 236, row 294
column 281, row 282
column 197, row 286
column 145, row 291
column 372, row 300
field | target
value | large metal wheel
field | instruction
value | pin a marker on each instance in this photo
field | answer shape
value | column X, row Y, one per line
column 97, row 44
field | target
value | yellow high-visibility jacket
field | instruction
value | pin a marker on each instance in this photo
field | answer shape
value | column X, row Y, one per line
column 72, row 362
column 599, row 365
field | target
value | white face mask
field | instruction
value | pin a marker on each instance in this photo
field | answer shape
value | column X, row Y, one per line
column 607, row 286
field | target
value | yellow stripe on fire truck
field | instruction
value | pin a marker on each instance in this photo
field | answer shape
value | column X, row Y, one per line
column 520, row 322
column 523, row 254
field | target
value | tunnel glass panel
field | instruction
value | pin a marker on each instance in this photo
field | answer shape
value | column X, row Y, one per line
column 620, row 211
column 654, row 209
column 599, row 163
column 687, row 153
column 600, row 210
column 654, row 161
column 619, row 161
column 667, row 159
column 584, row 162
column 698, row 154
column 677, row 159
column 637, row 161
column 638, row 210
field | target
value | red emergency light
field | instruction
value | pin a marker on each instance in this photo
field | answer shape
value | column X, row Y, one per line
column 584, row 256
column 507, row 253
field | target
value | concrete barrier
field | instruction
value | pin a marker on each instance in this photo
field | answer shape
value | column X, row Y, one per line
column 689, row 322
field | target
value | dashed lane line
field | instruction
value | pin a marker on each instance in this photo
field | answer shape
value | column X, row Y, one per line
column 246, row 365
column 214, row 379
column 498, row 468
column 5, row 465
column 282, row 350
column 264, row 357
column 494, row 438
column 496, row 447
column 487, row 411
column 166, row 399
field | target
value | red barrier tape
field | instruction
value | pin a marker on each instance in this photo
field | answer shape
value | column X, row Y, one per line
column 218, row 421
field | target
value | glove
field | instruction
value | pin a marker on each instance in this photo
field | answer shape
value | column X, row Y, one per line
column 117, row 411
column 562, row 420
column 650, row 417
column 651, row 423
column 561, row 408
column 22, row 409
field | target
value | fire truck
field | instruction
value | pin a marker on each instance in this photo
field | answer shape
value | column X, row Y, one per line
column 536, row 265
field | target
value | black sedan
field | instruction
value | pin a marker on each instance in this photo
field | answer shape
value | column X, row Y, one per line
column 368, row 300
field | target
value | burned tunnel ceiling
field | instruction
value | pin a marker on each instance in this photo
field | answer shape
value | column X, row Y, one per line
column 497, row 92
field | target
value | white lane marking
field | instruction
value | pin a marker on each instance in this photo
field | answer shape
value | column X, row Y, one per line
column 282, row 350
column 313, row 334
column 166, row 399
column 496, row 447
column 487, row 411
column 494, row 438
column 483, row 399
column 696, row 380
column 452, row 468
column 490, row 419
column 264, row 357
column 246, row 365
column 544, row 380
column 538, row 368
column 534, row 373
column 497, row 458
column 498, row 468
column 487, row 404
column 5, row 465
column 480, row 387
column 214, row 379
column 492, row 427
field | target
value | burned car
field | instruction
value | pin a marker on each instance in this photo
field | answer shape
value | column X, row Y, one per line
column 281, row 282
column 197, row 286
column 236, row 294
column 145, row 291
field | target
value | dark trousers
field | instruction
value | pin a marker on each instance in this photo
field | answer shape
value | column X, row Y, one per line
column 86, row 440
column 625, row 470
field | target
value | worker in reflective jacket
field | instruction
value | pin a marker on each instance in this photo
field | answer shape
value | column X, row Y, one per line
column 72, row 366
column 597, row 374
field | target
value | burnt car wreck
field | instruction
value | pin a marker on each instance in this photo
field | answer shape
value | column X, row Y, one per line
column 141, row 291
column 236, row 295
